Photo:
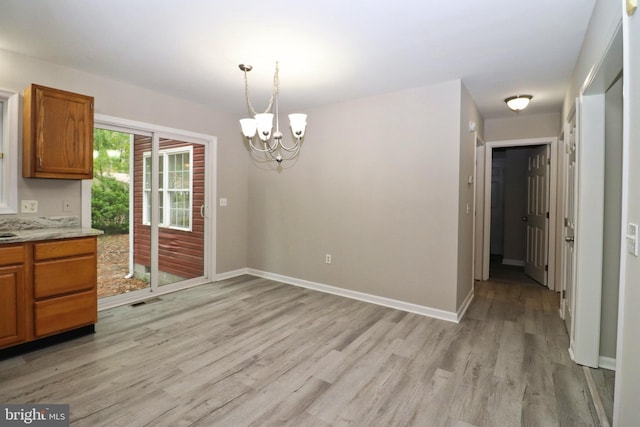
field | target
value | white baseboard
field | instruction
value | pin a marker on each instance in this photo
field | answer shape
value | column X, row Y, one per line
column 361, row 296
column 607, row 363
column 515, row 262
column 465, row 305
column 231, row 274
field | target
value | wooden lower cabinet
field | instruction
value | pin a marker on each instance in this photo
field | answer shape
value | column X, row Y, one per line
column 13, row 296
column 59, row 314
column 47, row 288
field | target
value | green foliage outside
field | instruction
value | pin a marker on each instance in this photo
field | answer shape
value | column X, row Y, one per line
column 111, row 152
column 110, row 197
column 110, row 205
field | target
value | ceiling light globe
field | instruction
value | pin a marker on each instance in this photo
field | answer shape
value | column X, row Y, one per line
column 298, row 124
column 265, row 124
column 518, row 103
column 249, row 127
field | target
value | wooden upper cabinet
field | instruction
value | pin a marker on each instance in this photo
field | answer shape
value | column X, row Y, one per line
column 58, row 134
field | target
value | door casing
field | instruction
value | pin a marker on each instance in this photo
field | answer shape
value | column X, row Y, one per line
column 486, row 233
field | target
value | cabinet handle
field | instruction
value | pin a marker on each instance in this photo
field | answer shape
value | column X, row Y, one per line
column 40, row 160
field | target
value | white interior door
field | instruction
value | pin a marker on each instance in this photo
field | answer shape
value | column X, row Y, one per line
column 568, row 256
column 537, row 211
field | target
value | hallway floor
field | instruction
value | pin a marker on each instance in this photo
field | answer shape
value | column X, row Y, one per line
column 604, row 379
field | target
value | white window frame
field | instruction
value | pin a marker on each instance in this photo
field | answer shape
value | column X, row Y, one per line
column 9, row 149
column 163, row 156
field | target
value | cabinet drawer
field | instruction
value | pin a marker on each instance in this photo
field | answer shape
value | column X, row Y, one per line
column 12, row 255
column 64, row 248
column 64, row 276
column 64, row 313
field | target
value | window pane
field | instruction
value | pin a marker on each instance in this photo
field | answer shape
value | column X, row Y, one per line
column 147, row 206
column 180, row 209
column 147, row 173
column 161, row 171
column 161, row 207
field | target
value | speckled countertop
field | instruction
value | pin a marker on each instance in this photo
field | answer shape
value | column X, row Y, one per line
column 31, row 229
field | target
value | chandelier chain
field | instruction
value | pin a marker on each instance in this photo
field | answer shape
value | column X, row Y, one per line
column 274, row 92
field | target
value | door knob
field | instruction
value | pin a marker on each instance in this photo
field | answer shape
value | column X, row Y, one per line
column 525, row 219
column 569, row 239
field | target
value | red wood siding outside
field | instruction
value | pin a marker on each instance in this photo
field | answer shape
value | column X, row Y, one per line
column 181, row 253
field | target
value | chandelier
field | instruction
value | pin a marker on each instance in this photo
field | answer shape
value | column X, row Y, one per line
column 270, row 142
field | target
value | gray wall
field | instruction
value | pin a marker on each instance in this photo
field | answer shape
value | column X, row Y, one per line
column 129, row 102
column 522, row 126
column 377, row 185
column 612, row 220
column 381, row 184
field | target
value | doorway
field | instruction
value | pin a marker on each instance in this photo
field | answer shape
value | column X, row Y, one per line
column 523, row 153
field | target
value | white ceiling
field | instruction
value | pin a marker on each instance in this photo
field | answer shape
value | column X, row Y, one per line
column 329, row 50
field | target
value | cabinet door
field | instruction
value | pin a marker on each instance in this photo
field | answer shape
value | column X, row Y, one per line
column 58, row 134
column 13, row 328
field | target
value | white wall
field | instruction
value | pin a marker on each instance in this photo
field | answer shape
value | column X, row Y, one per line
column 134, row 103
column 376, row 186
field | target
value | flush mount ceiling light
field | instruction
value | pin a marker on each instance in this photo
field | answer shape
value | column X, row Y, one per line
column 271, row 145
column 518, row 103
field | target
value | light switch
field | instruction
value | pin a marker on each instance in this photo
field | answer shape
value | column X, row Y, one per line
column 632, row 239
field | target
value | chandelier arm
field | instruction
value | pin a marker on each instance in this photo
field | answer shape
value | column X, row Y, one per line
column 294, row 147
column 267, row 149
column 289, row 157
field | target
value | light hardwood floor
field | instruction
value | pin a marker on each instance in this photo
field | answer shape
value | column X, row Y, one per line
column 253, row 352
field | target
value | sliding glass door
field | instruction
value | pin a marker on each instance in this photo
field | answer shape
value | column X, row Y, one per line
column 170, row 230
column 171, row 208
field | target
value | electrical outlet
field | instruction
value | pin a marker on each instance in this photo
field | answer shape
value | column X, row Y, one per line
column 327, row 259
column 29, row 206
column 223, row 201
